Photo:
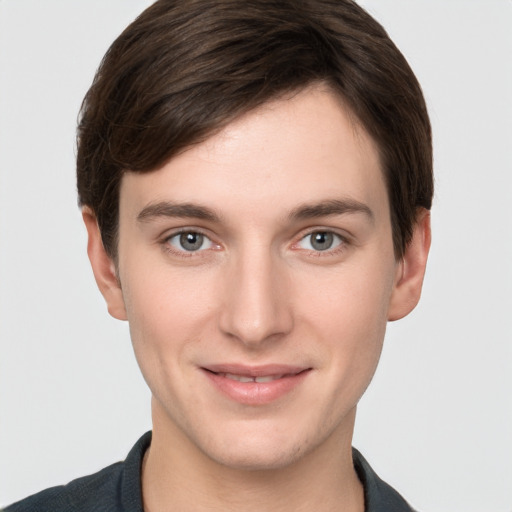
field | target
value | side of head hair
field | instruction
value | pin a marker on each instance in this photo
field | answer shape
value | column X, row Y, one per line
column 185, row 68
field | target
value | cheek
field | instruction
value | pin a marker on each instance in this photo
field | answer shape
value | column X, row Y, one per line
column 356, row 296
column 167, row 312
column 349, row 309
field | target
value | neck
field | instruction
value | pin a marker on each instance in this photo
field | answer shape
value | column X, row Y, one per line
column 177, row 475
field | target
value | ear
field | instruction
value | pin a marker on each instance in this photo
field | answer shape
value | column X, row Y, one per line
column 103, row 267
column 411, row 269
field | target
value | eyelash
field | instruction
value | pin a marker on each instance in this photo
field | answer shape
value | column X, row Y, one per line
column 167, row 246
column 341, row 246
column 343, row 242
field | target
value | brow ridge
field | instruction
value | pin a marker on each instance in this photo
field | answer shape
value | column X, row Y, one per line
column 329, row 208
column 306, row 211
column 169, row 209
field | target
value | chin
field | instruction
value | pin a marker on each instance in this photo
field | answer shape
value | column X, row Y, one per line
column 260, row 458
column 264, row 447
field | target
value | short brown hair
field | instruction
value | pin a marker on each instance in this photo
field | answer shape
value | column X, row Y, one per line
column 186, row 68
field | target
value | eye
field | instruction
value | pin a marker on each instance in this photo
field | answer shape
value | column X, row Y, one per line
column 320, row 241
column 190, row 241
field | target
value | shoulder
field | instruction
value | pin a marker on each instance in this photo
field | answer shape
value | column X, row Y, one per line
column 79, row 495
column 378, row 495
column 114, row 488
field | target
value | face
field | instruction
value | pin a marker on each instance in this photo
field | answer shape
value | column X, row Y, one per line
column 257, row 274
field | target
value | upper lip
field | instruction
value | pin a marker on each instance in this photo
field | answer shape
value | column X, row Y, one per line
column 255, row 371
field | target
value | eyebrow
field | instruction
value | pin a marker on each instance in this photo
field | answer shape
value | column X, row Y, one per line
column 169, row 209
column 329, row 208
column 303, row 212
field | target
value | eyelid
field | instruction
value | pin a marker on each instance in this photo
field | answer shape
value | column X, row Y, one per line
column 344, row 241
column 165, row 242
column 178, row 239
column 172, row 232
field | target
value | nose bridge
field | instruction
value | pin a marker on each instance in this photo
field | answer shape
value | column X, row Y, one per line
column 256, row 306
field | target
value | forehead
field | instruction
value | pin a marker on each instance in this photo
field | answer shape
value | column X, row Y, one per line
column 303, row 148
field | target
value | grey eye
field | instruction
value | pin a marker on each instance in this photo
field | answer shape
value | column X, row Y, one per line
column 321, row 240
column 190, row 241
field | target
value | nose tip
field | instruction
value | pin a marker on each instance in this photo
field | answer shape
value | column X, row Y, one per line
column 256, row 306
column 254, row 326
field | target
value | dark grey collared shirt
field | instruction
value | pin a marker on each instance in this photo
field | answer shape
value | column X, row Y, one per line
column 117, row 488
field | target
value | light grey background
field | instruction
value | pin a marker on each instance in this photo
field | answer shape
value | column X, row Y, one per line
column 437, row 420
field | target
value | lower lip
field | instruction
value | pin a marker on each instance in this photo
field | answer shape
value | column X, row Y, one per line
column 256, row 393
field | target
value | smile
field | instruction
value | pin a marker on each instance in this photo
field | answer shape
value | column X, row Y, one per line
column 255, row 386
column 245, row 378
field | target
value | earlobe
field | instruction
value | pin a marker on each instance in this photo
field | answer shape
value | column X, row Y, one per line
column 103, row 267
column 411, row 269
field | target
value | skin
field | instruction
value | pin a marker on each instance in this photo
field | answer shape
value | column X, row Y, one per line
column 258, row 291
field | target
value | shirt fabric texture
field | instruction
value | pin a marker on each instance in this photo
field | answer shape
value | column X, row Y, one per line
column 117, row 488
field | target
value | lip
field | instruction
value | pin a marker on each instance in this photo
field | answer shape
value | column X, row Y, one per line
column 278, row 381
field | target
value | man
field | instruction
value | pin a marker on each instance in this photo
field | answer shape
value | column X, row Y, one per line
column 255, row 179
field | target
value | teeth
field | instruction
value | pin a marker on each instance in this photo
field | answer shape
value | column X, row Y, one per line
column 244, row 378
column 270, row 378
column 239, row 378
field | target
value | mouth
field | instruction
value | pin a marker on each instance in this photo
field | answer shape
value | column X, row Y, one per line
column 245, row 378
column 255, row 385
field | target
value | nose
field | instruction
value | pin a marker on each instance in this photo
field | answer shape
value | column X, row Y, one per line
column 256, row 306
